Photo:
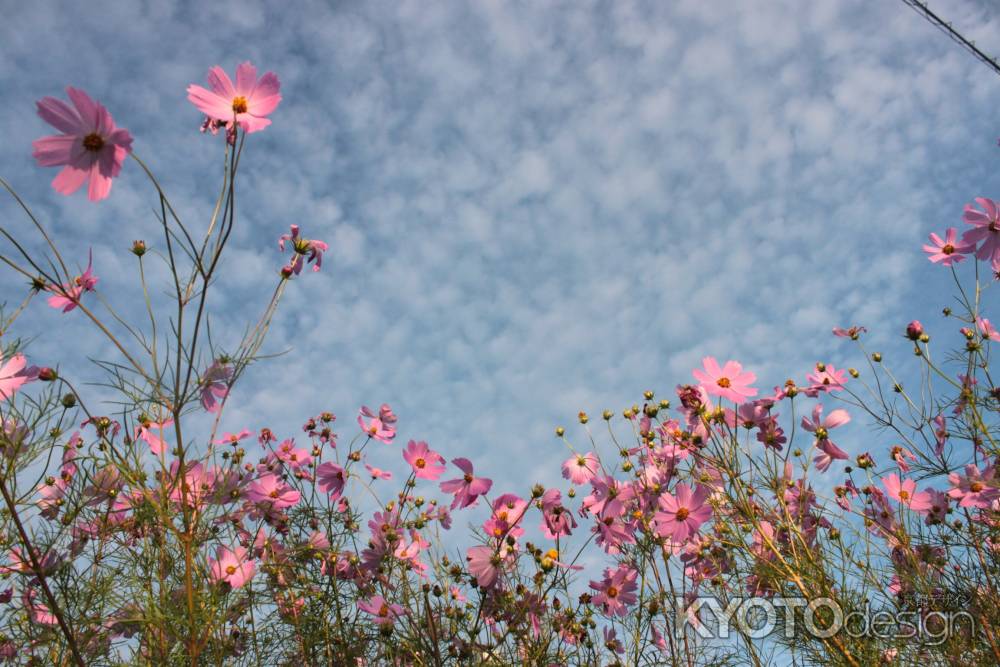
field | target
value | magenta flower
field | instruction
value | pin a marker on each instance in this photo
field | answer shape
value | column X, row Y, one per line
column 829, row 379
column 426, row 464
column 467, row 488
column 617, row 591
column 67, row 296
column 853, row 332
column 90, row 146
column 382, row 612
column 484, row 564
column 905, row 493
column 681, row 515
column 269, row 492
column 728, row 382
column 215, row 385
column 13, row 375
column 247, row 103
column 231, row 566
column 305, row 250
column 948, row 251
column 233, row 438
column 986, row 228
column 580, row 469
column 330, row 477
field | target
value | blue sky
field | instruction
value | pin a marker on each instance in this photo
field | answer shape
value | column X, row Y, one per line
column 533, row 208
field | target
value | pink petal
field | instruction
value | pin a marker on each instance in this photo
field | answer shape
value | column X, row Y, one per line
column 252, row 123
column 246, row 79
column 267, row 86
column 221, row 83
column 100, row 185
column 59, row 115
column 262, row 106
column 69, row 179
column 53, row 151
column 712, row 366
column 209, row 103
column 836, row 418
column 87, row 107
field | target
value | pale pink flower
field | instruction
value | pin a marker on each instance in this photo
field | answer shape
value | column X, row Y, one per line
column 90, row 146
column 13, row 375
column 728, row 381
column 682, row 514
column 853, row 332
column 580, row 468
column 426, row 463
column 378, row 473
column 233, row 438
column 247, row 103
column 303, row 251
column 381, row 611
column 467, row 488
column 905, row 493
column 67, row 296
column 948, row 251
column 152, row 433
column 829, row 379
column 377, row 429
column 232, row 566
column 820, row 427
column 987, row 330
column 974, row 489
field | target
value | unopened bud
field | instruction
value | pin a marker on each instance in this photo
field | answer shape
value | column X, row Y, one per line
column 138, row 248
column 69, row 401
column 47, row 374
column 608, row 415
column 560, row 431
column 583, row 417
column 914, row 330
column 876, row 357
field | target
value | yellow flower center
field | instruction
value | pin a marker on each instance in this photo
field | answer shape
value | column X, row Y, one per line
column 383, row 610
column 240, row 104
column 682, row 513
column 231, row 570
column 976, row 487
column 947, row 249
column 420, row 463
column 724, row 383
column 612, row 592
column 904, row 495
column 93, row 142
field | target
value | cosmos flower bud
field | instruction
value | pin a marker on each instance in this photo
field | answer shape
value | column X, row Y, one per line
column 607, row 415
column 583, row 417
column 138, row 248
column 914, row 330
column 560, row 431
column 69, row 401
column 47, row 374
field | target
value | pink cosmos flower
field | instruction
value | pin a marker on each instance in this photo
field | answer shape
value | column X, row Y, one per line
column 580, row 469
column 233, row 438
column 828, row 451
column 304, row 251
column 467, row 488
column 90, row 146
column 617, row 591
column 247, row 103
column 377, row 429
column 948, row 251
column 215, row 385
column 381, row 611
column 853, row 332
column 426, row 464
column 829, row 379
column 13, row 375
column 975, row 488
column 232, row 566
column 986, row 228
column 905, row 493
column 152, row 433
column 681, row 515
column 987, row 330
column 269, row 492
column 378, row 473
column 899, row 454
column 484, row 564
column 330, row 477
column 556, row 519
column 67, row 296
column 728, row 382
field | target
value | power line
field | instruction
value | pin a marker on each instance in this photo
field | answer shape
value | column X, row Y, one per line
column 945, row 27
